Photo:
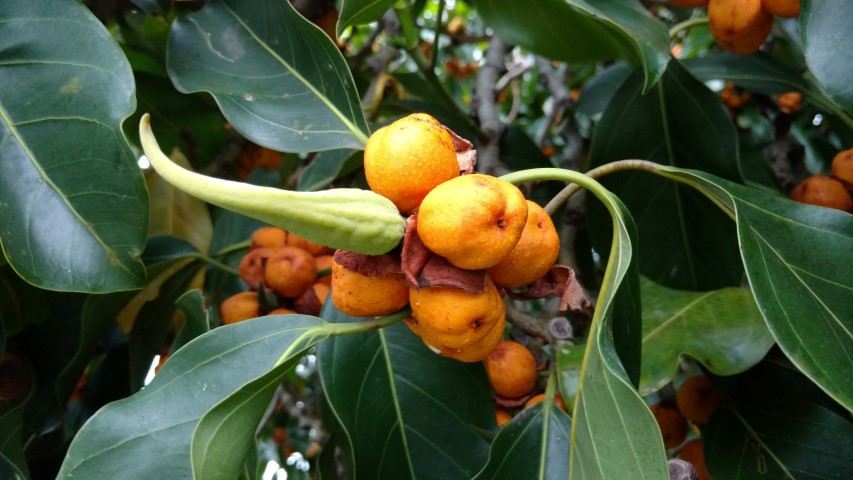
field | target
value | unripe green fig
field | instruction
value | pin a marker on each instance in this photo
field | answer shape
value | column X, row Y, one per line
column 343, row 218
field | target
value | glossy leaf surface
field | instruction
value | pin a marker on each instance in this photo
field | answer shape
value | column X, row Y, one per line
column 406, row 412
column 801, row 441
column 583, row 30
column 722, row 329
column 534, row 445
column 801, row 283
column 684, row 241
column 73, row 214
column 757, row 73
column 225, row 435
column 277, row 78
column 327, row 167
column 829, row 53
column 155, row 425
column 613, row 432
column 359, row 12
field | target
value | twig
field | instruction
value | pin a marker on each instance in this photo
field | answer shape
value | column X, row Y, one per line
column 531, row 325
column 596, row 173
column 561, row 98
column 488, row 153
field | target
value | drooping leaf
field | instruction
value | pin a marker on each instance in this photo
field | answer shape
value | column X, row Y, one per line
column 801, row 281
column 583, row 30
column 829, row 54
column 73, row 206
column 155, row 426
column 614, row 434
column 684, row 241
column 359, row 12
column 535, row 444
column 796, row 440
column 757, row 73
column 406, row 412
column 722, row 329
column 277, row 78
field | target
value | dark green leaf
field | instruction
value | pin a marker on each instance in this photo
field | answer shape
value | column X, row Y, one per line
column 73, row 214
column 799, row 441
column 278, row 78
column 757, row 73
column 685, row 242
column 722, row 329
column 775, row 379
column 98, row 314
column 56, row 350
column 155, row 426
column 829, row 54
column 191, row 123
column 327, row 167
column 359, row 12
column 799, row 277
column 535, row 444
column 407, row 412
column 597, row 92
column 152, row 325
column 225, row 435
column 13, row 464
column 196, row 318
column 818, row 152
column 327, row 462
column 582, row 30
column 614, row 434
column 757, row 171
column 150, row 6
column 21, row 303
column 253, row 468
column 519, row 152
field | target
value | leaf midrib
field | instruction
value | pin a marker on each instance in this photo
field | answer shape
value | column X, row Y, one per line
column 356, row 132
column 14, row 133
column 677, row 315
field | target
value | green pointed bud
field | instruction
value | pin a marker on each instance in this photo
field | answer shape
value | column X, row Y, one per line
column 345, row 218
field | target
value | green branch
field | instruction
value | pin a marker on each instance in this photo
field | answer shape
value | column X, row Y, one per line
column 686, row 25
